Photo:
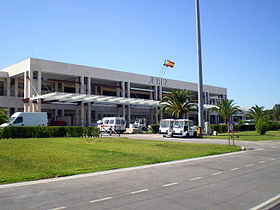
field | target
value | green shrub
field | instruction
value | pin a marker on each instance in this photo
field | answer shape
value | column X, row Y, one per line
column 237, row 127
column 154, row 128
column 262, row 126
column 47, row 131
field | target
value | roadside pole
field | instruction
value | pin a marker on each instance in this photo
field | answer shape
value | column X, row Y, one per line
column 199, row 70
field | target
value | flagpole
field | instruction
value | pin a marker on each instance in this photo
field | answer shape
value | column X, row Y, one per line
column 199, row 69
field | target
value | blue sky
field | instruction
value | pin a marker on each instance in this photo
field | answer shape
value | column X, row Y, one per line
column 240, row 39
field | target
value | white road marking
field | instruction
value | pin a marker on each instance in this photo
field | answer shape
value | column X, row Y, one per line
column 260, row 149
column 101, row 199
column 262, row 161
column 170, row 184
column 273, row 159
column 196, row 178
column 249, row 165
column 139, row 191
column 62, row 207
column 274, row 147
column 234, row 169
column 217, row 173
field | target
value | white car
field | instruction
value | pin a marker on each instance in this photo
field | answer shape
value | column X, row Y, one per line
column 184, row 128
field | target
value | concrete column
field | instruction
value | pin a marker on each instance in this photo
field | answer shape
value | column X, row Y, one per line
column 88, row 114
column 128, row 89
column 89, row 86
column 16, row 87
column 77, row 85
column 156, row 116
column 8, row 112
column 25, row 91
column 95, row 90
column 82, row 113
column 151, row 93
column 160, row 92
column 30, row 90
column 39, row 88
column 155, row 93
column 118, row 90
column 123, row 89
column 82, row 85
column 56, row 87
column 62, row 87
column 8, row 86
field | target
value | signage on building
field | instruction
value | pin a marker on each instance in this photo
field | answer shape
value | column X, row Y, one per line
column 158, row 81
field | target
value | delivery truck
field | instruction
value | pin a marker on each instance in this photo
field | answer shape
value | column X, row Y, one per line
column 27, row 119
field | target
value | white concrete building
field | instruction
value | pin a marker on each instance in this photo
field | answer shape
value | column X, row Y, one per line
column 81, row 95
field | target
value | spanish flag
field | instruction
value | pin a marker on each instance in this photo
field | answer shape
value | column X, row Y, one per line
column 169, row 63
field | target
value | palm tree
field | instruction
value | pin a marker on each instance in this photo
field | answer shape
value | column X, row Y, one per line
column 178, row 103
column 226, row 108
column 256, row 112
column 3, row 116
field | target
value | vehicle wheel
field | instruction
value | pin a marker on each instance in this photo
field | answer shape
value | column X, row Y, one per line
column 187, row 135
column 195, row 134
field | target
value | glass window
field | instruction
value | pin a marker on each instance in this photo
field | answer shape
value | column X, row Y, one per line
column 111, row 122
column 19, row 120
column 118, row 122
column 1, row 88
column 122, row 121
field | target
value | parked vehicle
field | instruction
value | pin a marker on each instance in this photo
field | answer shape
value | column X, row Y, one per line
column 27, row 119
column 166, row 126
column 184, row 128
column 116, row 124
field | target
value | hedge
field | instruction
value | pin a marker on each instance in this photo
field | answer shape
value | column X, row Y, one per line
column 224, row 129
column 47, row 131
column 242, row 127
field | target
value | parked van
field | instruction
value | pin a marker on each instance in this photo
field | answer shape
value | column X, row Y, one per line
column 27, row 119
column 115, row 123
column 184, row 128
column 166, row 126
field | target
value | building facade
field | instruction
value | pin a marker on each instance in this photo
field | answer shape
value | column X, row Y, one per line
column 81, row 95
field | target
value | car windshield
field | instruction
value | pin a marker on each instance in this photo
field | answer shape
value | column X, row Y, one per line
column 12, row 119
column 165, row 124
column 178, row 124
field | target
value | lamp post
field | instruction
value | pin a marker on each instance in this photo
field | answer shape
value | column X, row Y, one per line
column 199, row 69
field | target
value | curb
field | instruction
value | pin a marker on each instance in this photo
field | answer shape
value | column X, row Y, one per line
column 268, row 204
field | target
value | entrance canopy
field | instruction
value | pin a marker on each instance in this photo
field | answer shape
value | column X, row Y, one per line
column 68, row 98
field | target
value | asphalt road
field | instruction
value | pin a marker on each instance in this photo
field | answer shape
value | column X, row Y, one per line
column 239, row 180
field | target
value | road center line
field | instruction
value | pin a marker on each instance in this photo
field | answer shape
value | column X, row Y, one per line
column 196, row 178
column 61, row 207
column 262, row 161
column 217, row 173
column 101, row 199
column 234, row 169
column 249, row 165
column 139, row 191
column 273, row 159
column 170, row 184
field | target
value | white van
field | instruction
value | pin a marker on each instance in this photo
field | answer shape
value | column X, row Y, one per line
column 27, row 119
column 166, row 126
column 114, row 123
column 184, row 128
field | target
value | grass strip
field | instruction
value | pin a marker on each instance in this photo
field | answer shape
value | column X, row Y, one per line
column 32, row 159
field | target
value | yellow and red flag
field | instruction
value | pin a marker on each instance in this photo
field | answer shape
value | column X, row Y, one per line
column 169, row 63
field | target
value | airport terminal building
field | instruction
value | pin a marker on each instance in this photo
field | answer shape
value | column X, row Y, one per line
column 81, row 95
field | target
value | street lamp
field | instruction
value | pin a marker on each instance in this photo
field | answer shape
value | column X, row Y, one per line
column 199, row 69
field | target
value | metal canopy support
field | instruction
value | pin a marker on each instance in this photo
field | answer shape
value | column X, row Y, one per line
column 84, row 98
